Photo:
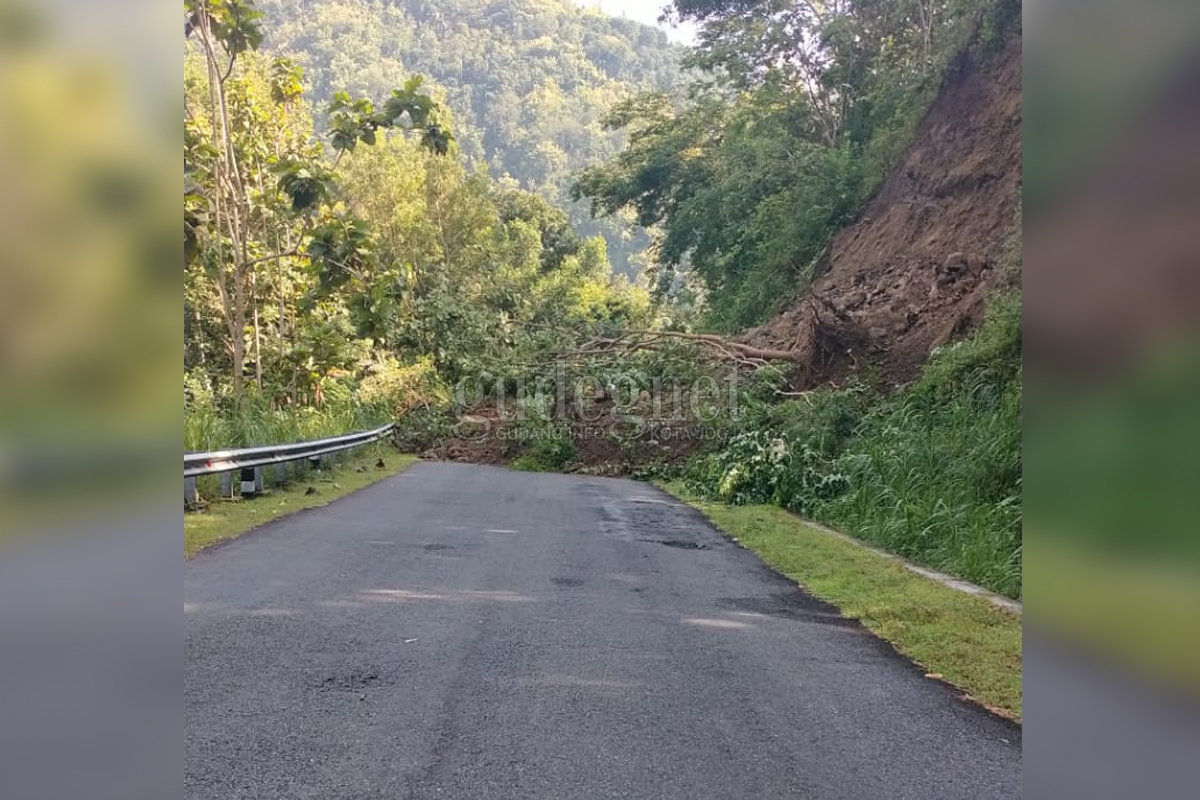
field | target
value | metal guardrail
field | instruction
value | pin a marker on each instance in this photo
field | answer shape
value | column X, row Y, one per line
column 219, row 461
column 249, row 461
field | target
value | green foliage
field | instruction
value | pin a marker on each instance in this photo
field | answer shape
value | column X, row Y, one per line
column 423, row 427
column 235, row 23
column 213, row 421
column 352, row 121
column 784, row 452
column 936, row 471
column 527, row 80
column 306, row 185
column 468, row 266
column 548, row 446
column 998, row 21
column 932, row 473
column 277, row 260
column 759, row 466
column 340, row 249
column 286, row 81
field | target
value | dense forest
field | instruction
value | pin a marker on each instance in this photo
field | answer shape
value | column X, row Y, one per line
column 355, row 254
column 528, row 81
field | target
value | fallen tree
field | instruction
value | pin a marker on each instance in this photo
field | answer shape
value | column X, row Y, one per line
column 632, row 341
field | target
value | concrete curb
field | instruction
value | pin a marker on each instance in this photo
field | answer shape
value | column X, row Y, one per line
column 958, row 584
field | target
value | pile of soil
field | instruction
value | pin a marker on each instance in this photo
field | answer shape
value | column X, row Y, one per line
column 941, row 233
column 607, row 437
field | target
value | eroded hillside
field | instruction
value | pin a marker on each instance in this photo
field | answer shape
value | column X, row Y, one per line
column 941, row 234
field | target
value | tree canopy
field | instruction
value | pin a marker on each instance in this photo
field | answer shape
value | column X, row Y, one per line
column 528, row 81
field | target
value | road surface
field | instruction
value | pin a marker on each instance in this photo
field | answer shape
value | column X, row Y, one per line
column 469, row 632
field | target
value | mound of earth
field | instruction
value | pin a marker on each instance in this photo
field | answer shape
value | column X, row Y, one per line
column 914, row 271
column 606, row 437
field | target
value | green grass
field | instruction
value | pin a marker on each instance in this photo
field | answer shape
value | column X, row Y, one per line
column 206, row 427
column 935, row 472
column 227, row 519
column 965, row 640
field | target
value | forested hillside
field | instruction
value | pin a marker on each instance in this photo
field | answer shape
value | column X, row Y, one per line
column 528, row 81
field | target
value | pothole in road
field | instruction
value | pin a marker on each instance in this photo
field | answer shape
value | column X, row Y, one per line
column 570, row 583
column 350, row 682
column 679, row 544
column 437, row 548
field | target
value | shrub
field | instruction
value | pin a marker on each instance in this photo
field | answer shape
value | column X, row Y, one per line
column 548, row 446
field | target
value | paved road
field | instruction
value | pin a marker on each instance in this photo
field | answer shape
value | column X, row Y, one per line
column 467, row 632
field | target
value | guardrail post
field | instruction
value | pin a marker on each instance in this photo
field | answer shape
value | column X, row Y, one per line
column 280, row 474
column 189, row 491
column 226, row 484
column 249, row 481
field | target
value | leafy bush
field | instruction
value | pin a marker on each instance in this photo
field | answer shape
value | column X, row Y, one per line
column 402, row 387
column 548, row 446
column 762, row 467
column 422, row 428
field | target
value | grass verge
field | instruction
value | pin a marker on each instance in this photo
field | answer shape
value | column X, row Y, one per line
column 227, row 519
column 963, row 640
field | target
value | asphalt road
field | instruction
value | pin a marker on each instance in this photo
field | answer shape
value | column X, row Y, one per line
column 469, row 632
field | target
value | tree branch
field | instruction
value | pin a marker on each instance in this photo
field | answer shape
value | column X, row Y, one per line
column 275, row 257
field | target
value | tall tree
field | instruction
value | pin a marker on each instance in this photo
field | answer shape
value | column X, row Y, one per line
column 237, row 136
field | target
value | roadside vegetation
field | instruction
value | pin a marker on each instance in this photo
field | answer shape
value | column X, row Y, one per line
column 224, row 519
column 213, row 422
column 932, row 473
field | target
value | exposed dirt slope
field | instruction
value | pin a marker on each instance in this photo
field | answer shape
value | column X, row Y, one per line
column 913, row 272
